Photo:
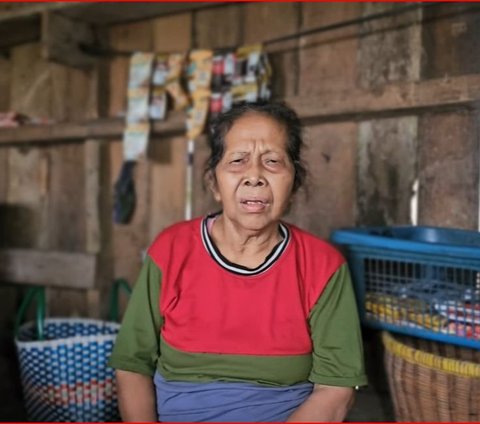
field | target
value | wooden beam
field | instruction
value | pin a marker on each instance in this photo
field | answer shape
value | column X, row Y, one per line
column 19, row 31
column 48, row 268
column 402, row 98
column 29, row 10
column 92, row 196
column 99, row 13
column 399, row 98
column 100, row 129
column 62, row 38
column 23, row 24
column 105, row 13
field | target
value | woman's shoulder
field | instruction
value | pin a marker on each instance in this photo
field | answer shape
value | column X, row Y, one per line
column 176, row 232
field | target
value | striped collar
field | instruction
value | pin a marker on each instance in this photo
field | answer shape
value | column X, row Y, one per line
column 239, row 269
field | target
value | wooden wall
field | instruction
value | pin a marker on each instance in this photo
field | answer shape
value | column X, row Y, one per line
column 362, row 168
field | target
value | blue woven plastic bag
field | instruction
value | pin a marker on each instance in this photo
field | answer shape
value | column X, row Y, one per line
column 63, row 367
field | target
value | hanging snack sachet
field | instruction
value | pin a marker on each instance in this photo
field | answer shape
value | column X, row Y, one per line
column 199, row 76
column 158, row 100
column 222, row 79
column 252, row 74
column 135, row 136
column 135, row 140
column 176, row 63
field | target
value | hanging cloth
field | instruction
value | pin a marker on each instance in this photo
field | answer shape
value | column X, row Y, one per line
column 124, row 198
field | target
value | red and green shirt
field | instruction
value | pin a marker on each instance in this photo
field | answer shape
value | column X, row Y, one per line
column 196, row 317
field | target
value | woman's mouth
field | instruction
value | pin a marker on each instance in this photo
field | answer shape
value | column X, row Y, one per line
column 254, row 205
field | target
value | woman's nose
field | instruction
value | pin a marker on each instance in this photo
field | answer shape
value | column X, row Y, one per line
column 254, row 176
column 254, row 181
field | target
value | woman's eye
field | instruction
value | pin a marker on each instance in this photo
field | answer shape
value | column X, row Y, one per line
column 272, row 161
column 236, row 161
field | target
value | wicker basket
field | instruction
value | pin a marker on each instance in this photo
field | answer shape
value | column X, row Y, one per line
column 431, row 381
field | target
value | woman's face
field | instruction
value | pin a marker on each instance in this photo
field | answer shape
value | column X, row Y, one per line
column 254, row 179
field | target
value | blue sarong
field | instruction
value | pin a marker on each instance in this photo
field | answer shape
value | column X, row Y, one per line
column 226, row 401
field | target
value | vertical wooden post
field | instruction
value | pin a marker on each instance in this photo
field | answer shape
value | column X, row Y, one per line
column 92, row 196
column 96, row 237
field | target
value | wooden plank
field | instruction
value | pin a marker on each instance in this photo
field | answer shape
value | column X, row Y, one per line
column 264, row 21
column 73, row 93
column 218, row 27
column 66, row 211
column 24, row 11
column 100, row 87
column 66, row 223
column 101, row 129
column 117, row 88
column 129, row 240
column 92, row 196
column 329, row 203
column 98, row 298
column 3, row 175
column 129, row 37
column 19, row 31
column 401, row 98
column 48, row 268
column 100, row 13
column 450, row 36
column 6, row 7
column 22, row 214
column 59, row 92
column 93, row 235
column 448, row 170
column 4, row 106
column 81, row 87
column 172, row 33
column 108, row 14
column 167, row 198
column 62, row 38
column 168, row 157
column 30, row 81
column 390, row 49
column 387, row 169
column 328, row 61
column 4, row 85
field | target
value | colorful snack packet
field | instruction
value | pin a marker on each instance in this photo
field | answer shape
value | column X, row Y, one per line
column 176, row 63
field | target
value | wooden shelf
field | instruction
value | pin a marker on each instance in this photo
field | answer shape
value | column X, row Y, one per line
column 399, row 99
column 78, row 132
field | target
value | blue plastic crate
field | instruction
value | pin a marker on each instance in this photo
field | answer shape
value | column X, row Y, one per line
column 419, row 281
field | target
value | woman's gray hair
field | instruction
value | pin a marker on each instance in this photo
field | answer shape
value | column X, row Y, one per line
column 278, row 111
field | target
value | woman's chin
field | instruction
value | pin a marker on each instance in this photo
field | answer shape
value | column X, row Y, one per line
column 256, row 221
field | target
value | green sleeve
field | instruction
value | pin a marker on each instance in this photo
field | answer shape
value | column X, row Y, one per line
column 337, row 358
column 136, row 347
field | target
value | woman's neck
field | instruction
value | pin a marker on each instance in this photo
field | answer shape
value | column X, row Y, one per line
column 244, row 247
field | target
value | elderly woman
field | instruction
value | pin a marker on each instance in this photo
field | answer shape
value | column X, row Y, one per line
column 239, row 316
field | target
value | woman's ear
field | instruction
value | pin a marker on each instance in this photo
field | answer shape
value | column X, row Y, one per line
column 211, row 183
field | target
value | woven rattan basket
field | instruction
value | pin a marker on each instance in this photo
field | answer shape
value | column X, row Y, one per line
column 431, row 381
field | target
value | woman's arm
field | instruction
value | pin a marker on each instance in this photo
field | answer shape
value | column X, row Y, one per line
column 325, row 404
column 136, row 397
